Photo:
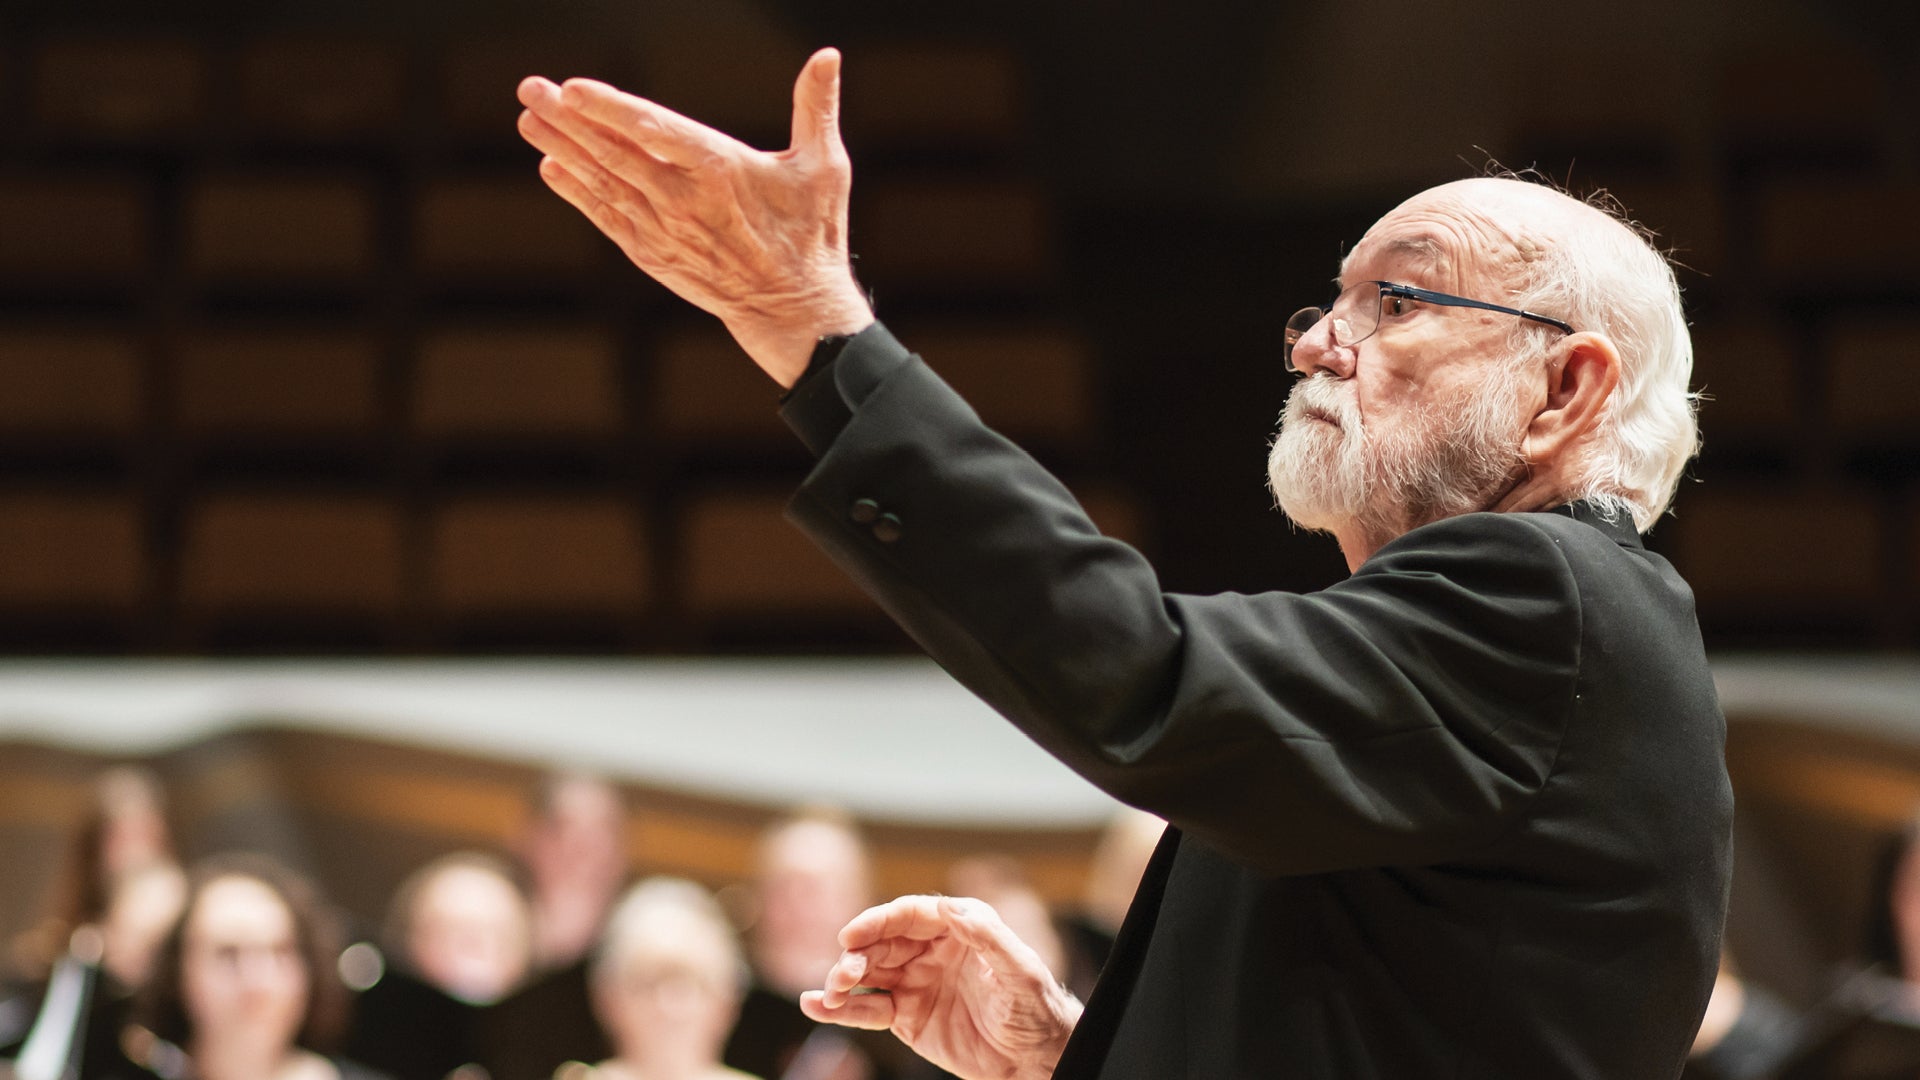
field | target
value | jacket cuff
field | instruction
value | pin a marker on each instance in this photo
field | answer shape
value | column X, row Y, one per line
column 822, row 402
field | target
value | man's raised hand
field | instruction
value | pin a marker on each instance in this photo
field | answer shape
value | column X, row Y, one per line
column 756, row 238
column 959, row 988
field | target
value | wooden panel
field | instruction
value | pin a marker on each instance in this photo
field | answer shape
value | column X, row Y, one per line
column 1118, row 513
column 1688, row 218
column 63, row 551
column 506, row 228
column 728, row 66
column 119, row 88
column 1825, row 806
column 1873, row 377
column 517, row 381
column 69, row 381
column 478, row 78
column 1756, row 386
column 1757, row 551
column 1810, row 91
column 271, row 553
column 369, row 811
column 61, row 227
column 1030, row 383
column 933, row 90
column 1838, row 232
column 977, row 235
column 311, row 228
column 289, row 381
column 316, row 88
column 706, row 391
column 538, row 555
column 739, row 557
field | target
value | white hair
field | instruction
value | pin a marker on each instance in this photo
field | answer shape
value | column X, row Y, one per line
column 1611, row 279
column 673, row 914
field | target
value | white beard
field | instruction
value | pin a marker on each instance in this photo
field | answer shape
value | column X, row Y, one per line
column 1446, row 458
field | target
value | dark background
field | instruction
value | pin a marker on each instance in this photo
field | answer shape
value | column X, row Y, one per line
column 199, row 201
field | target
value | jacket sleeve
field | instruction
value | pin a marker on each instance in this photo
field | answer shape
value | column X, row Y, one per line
column 1405, row 716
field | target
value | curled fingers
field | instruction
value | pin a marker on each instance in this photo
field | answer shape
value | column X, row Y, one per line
column 873, row 1012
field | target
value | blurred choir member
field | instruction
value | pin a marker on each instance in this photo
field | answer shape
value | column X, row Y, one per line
column 465, row 927
column 573, row 851
column 667, row 983
column 124, row 828
column 457, row 938
column 119, row 893
column 1121, row 857
column 145, row 903
column 811, row 875
column 144, row 906
column 245, row 985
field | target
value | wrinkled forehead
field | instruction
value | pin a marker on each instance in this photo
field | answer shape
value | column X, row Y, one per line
column 1454, row 238
column 1415, row 259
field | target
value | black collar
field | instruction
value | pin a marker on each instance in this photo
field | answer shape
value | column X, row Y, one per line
column 1620, row 529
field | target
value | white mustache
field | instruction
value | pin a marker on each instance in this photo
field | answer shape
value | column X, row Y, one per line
column 1325, row 396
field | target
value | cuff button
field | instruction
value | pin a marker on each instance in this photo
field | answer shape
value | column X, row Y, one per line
column 864, row 512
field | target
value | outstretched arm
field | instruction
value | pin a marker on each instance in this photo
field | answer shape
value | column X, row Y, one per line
column 952, row 982
column 756, row 238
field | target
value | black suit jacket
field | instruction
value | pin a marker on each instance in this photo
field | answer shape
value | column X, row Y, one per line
column 1462, row 815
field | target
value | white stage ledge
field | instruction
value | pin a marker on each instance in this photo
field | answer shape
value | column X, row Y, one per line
column 890, row 739
column 893, row 740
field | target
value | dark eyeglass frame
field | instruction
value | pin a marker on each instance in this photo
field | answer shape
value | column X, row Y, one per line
column 1299, row 323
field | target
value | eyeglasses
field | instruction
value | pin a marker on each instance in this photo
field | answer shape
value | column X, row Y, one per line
column 1356, row 313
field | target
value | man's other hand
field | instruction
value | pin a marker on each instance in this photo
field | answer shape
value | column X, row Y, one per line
column 952, row 982
column 756, row 238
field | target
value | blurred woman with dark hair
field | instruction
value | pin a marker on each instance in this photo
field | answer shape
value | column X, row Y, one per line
column 245, row 987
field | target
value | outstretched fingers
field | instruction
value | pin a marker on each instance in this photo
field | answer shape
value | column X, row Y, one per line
column 625, row 223
column 659, row 131
column 556, row 129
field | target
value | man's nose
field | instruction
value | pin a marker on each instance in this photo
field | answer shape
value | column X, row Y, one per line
column 1316, row 351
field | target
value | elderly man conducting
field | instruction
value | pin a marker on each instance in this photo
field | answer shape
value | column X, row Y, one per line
column 1463, row 814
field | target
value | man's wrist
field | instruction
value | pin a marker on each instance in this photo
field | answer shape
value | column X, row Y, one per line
column 783, row 351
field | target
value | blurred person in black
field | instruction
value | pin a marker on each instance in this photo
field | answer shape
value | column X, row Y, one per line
column 574, row 849
column 245, row 986
column 812, row 873
column 457, row 939
column 465, row 927
column 667, row 982
column 573, row 855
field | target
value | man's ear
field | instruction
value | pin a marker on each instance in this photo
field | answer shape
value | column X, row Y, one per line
column 1581, row 379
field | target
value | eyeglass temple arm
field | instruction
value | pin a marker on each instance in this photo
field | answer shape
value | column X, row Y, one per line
column 1450, row 300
